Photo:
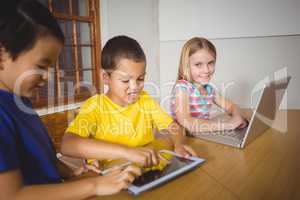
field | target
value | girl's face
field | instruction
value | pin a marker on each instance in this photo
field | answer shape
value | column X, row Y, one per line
column 126, row 82
column 202, row 66
column 29, row 71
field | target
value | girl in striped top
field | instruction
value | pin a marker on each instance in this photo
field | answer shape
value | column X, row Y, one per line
column 193, row 95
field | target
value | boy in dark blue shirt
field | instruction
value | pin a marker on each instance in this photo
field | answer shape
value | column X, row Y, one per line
column 25, row 143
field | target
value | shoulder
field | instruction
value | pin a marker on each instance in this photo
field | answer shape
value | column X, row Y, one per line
column 7, row 125
column 5, row 116
column 92, row 99
column 91, row 103
column 183, row 84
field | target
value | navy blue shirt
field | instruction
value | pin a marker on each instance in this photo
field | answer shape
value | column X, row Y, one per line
column 24, row 142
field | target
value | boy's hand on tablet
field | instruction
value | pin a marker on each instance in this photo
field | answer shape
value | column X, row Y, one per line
column 184, row 150
column 144, row 156
column 116, row 180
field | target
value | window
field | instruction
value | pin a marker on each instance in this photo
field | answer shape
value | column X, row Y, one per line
column 75, row 76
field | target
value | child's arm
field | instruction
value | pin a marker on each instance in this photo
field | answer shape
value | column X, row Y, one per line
column 65, row 171
column 194, row 124
column 70, row 170
column 178, row 137
column 76, row 146
column 12, row 187
column 232, row 110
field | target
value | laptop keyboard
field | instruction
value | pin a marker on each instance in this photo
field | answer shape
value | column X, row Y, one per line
column 233, row 134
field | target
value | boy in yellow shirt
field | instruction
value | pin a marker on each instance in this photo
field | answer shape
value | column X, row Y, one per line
column 118, row 124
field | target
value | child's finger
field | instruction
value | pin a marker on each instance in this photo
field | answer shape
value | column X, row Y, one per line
column 181, row 151
column 124, row 185
column 79, row 171
column 126, row 176
column 96, row 163
column 136, row 171
column 154, row 157
column 93, row 168
column 190, row 150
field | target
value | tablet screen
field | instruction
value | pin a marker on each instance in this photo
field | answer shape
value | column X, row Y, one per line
column 157, row 175
column 149, row 176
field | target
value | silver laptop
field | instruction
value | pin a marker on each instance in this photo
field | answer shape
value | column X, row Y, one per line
column 269, row 99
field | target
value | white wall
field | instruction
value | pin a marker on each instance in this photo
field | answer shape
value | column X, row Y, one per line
column 244, row 60
column 137, row 19
column 182, row 19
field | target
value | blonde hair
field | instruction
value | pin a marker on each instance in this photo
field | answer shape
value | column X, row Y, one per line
column 189, row 48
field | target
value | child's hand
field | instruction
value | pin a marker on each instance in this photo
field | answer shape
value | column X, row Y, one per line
column 184, row 150
column 244, row 123
column 94, row 166
column 116, row 180
column 144, row 156
column 236, row 121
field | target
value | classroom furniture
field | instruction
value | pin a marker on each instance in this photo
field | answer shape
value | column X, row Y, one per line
column 57, row 123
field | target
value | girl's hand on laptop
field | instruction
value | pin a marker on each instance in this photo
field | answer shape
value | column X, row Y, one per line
column 244, row 123
column 116, row 180
column 144, row 156
column 234, row 122
column 184, row 150
column 240, row 120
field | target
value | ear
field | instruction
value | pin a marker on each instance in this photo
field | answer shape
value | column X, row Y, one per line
column 105, row 76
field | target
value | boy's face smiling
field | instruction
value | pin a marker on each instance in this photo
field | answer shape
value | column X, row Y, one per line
column 126, row 82
column 29, row 71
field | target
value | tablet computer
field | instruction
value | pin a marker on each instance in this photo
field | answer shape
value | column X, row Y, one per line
column 177, row 166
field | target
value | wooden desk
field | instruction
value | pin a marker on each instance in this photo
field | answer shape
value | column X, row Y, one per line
column 268, row 168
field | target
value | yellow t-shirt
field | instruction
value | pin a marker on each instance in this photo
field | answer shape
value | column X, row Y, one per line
column 133, row 125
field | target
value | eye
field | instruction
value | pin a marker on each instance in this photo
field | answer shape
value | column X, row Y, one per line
column 141, row 79
column 198, row 64
column 125, row 81
column 211, row 63
column 41, row 67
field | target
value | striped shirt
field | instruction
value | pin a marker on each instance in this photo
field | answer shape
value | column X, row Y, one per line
column 199, row 104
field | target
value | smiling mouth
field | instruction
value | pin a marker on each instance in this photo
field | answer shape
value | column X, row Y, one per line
column 132, row 93
column 205, row 77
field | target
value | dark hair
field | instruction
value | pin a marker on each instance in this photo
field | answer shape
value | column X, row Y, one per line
column 120, row 47
column 22, row 23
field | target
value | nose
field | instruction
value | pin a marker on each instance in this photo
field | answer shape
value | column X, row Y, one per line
column 205, row 68
column 133, row 85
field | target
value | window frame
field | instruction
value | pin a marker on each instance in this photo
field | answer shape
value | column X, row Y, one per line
column 93, row 18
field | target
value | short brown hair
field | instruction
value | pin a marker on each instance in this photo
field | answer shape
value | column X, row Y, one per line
column 120, row 47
